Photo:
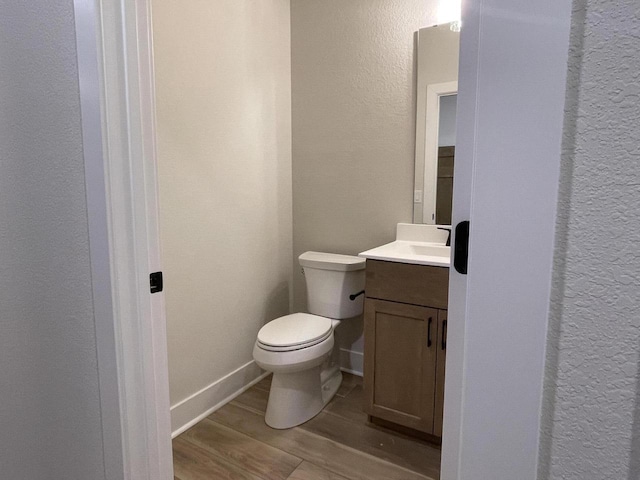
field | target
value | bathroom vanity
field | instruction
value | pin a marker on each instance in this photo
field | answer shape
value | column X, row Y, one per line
column 407, row 281
column 405, row 331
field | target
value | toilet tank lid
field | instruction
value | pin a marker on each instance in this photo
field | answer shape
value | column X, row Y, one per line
column 331, row 261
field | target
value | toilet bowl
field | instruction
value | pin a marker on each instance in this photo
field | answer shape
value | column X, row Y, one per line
column 300, row 348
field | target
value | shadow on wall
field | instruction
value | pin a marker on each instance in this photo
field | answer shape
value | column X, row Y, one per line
column 350, row 332
column 350, row 340
column 277, row 303
column 348, row 336
column 554, row 333
column 634, row 465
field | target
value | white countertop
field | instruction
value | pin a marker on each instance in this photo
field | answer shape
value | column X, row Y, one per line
column 411, row 247
column 420, row 253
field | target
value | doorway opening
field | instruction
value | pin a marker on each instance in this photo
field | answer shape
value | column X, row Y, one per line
column 135, row 132
column 266, row 118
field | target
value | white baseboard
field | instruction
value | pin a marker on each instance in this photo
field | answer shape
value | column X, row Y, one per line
column 191, row 410
column 351, row 362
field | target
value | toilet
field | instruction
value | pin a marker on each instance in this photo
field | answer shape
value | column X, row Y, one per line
column 299, row 348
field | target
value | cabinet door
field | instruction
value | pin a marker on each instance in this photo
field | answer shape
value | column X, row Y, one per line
column 441, row 358
column 400, row 363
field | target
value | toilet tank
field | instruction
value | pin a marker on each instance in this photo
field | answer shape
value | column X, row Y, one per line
column 330, row 279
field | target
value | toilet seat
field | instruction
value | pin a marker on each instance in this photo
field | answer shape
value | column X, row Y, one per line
column 291, row 348
column 294, row 332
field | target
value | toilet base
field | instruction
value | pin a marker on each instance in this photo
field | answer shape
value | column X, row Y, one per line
column 297, row 397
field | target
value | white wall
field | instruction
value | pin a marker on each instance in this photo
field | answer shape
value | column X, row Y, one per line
column 50, row 408
column 591, row 416
column 224, row 131
column 447, row 121
column 353, row 126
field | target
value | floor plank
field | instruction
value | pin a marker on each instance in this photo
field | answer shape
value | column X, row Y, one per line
column 349, row 382
column 191, row 462
column 348, row 400
column 338, row 444
column 349, row 407
column 402, row 451
column 255, row 399
column 253, row 456
column 265, row 383
column 309, row 471
column 319, row 450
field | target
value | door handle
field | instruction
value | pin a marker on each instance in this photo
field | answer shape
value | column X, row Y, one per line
column 461, row 248
column 429, row 342
column 444, row 334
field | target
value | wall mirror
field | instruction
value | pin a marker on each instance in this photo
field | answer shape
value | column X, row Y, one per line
column 437, row 88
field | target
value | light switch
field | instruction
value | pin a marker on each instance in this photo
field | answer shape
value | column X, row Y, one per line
column 417, row 196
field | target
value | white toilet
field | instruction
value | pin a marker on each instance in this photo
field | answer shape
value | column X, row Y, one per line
column 299, row 348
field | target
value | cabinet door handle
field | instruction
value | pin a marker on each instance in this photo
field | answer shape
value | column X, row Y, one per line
column 444, row 334
column 429, row 332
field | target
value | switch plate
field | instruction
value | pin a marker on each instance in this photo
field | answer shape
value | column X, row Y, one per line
column 417, row 196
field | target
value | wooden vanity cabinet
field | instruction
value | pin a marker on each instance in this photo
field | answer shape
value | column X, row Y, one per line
column 405, row 344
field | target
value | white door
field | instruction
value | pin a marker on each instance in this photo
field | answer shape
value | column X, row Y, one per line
column 512, row 80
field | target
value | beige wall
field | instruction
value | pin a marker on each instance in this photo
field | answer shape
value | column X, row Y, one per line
column 353, row 126
column 224, row 136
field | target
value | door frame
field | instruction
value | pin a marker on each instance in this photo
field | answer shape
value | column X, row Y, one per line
column 117, row 101
column 115, row 63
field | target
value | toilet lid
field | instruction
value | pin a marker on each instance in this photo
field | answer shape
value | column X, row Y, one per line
column 293, row 330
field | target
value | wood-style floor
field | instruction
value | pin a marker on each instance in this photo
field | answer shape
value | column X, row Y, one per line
column 338, row 444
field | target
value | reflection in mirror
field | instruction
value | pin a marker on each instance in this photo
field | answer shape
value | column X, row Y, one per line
column 446, row 155
column 437, row 87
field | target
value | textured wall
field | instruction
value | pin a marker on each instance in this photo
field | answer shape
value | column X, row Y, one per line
column 49, row 403
column 223, row 80
column 353, row 117
column 594, row 337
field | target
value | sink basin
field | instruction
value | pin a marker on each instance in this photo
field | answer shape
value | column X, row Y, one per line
column 427, row 250
column 420, row 253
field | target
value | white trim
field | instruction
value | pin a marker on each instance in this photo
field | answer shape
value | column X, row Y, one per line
column 145, row 216
column 455, row 377
column 352, row 361
column 432, row 131
column 357, row 373
column 186, row 413
column 115, row 65
column 89, row 76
